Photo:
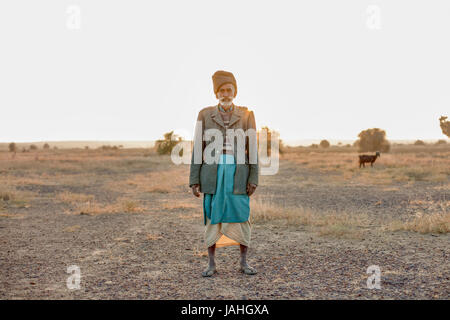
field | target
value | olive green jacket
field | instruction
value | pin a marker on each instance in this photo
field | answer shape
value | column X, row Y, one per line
column 205, row 174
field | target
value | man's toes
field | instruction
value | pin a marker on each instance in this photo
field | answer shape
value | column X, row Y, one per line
column 248, row 270
column 208, row 272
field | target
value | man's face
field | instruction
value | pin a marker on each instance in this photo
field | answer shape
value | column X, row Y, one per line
column 226, row 94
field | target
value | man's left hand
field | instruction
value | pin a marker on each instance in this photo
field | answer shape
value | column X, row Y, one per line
column 250, row 188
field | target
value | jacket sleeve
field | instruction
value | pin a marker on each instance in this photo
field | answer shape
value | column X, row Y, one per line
column 254, row 168
column 194, row 175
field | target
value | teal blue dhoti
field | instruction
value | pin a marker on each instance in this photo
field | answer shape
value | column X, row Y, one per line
column 224, row 206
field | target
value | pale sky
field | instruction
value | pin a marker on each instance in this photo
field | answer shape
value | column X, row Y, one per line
column 134, row 70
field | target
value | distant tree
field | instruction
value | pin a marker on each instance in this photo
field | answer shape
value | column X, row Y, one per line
column 372, row 140
column 33, row 147
column 86, row 147
column 419, row 143
column 107, row 147
column 12, row 147
column 46, row 146
column 314, row 146
column 166, row 145
column 439, row 142
column 324, row 144
column 445, row 125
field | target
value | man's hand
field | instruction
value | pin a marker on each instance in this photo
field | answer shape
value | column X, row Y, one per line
column 251, row 188
column 195, row 190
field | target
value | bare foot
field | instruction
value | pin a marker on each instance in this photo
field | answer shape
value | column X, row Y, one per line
column 248, row 270
column 209, row 271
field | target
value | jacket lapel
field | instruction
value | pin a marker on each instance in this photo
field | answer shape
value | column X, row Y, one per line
column 235, row 116
column 216, row 116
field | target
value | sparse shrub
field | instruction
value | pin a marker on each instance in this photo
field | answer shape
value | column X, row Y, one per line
column 131, row 206
column 419, row 143
column 416, row 174
column 46, row 146
column 314, row 146
column 445, row 125
column 324, row 144
column 372, row 140
column 326, row 223
column 166, row 145
column 33, row 147
column 106, row 147
column 5, row 196
column 12, row 147
column 436, row 222
column 440, row 142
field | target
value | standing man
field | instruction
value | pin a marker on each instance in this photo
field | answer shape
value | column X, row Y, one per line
column 227, row 183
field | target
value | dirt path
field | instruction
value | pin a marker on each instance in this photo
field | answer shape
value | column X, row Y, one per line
column 156, row 254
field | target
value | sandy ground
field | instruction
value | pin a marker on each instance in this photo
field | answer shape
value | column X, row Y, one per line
column 157, row 253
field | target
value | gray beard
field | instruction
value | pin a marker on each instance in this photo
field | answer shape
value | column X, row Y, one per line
column 226, row 104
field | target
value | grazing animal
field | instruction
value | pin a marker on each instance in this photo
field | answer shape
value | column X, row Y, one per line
column 363, row 158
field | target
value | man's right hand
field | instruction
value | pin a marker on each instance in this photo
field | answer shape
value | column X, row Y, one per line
column 196, row 190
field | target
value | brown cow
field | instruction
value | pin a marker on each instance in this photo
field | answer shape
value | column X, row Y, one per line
column 363, row 158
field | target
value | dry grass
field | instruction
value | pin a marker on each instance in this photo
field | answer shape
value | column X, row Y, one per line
column 73, row 198
column 72, row 228
column 94, row 207
column 91, row 208
column 131, row 206
column 177, row 204
column 437, row 222
column 10, row 197
column 192, row 216
column 402, row 164
column 152, row 237
column 56, row 164
column 116, row 169
column 12, row 215
column 6, row 195
column 135, row 171
column 331, row 223
column 351, row 225
column 200, row 253
column 166, row 181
